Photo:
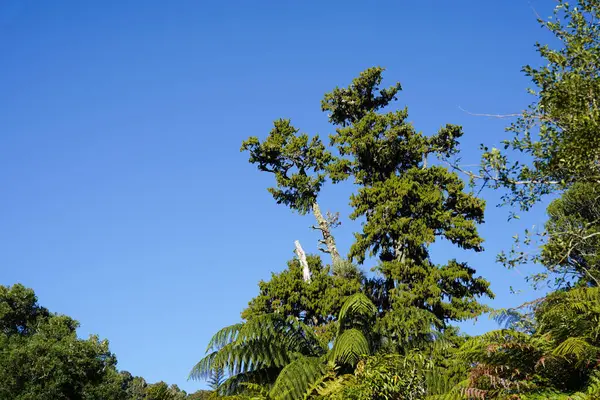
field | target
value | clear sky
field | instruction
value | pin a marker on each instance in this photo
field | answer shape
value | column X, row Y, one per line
column 125, row 201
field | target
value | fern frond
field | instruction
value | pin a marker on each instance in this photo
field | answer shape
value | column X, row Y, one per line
column 223, row 336
column 357, row 306
column 302, row 338
column 203, row 368
column 237, row 383
column 296, row 378
column 577, row 349
column 349, row 347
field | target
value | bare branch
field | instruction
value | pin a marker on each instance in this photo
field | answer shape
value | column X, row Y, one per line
column 491, row 115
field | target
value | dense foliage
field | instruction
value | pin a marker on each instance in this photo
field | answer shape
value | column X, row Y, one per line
column 42, row 358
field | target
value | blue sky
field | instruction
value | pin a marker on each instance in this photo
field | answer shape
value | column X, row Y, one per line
column 126, row 203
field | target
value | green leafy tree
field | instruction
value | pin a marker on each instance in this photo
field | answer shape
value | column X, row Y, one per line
column 41, row 356
column 19, row 311
column 572, row 249
column 557, row 134
column 162, row 391
column 406, row 205
column 315, row 303
column 299, row 164
column 282, row 356
column 553, row 144
column 135, row 386
column 550, row 351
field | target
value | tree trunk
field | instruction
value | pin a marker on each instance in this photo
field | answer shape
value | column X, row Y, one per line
column 328, row 240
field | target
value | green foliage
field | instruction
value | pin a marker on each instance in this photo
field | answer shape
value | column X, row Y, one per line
column 386, row 377
column 216, row 379
column 315, row 303
column 282, row 354
column 297, row 162
column 551, row 350
column 348, row 105
column 41, row 358
column 19, row 311
column 393, row 339
column 569, row 242
column 350, row 346
column 560, row 356
column 357, row 311
column 558, row 132
column 572, row 250
column 256, row 351
column 296, row 378
column 406, row 204
column 162, row 391
column 354, row 338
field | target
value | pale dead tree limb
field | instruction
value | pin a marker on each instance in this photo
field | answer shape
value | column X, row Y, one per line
column 324, row 225
column 303, row 262
column 523, row 114
column 512, row 115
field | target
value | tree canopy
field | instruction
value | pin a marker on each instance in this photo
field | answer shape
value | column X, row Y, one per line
column 41, row 357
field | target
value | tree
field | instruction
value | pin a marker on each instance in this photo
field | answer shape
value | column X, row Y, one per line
column 316, row 304
column 550, row 348
column 282, row 355
column 406, row 204
column 135, row 386
column 42, row 358
column 557, row 134
column 162, row 391
column 299, row 165
column 558, row 359
column 553, row 144
column 19, row 311
column 572, row 250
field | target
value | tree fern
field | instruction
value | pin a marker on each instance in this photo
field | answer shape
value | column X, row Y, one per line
column 283, row 353
column 357, row 309
column 349, row 347
column 296, row 378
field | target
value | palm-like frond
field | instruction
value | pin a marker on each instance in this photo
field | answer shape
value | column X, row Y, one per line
column 246, row 380
column 569, row 313
column 296, row 378
column 358, row 308
column 576, row 349
column 267, row 341
column 224, row 336
column 204, row 367
column 284, row 354
column 350, row 347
